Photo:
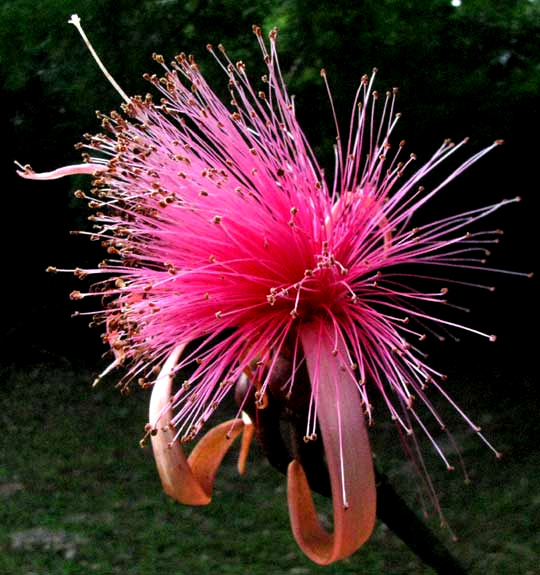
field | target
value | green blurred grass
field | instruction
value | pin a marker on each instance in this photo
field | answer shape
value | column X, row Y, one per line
column 77, row 494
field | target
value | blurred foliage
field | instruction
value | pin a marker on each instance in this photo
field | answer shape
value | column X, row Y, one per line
column 457, row 62
column 468, row 70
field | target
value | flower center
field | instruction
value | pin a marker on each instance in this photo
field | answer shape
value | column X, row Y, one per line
column 322, row 290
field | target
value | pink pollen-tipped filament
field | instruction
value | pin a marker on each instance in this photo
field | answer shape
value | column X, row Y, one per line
column 89, row 169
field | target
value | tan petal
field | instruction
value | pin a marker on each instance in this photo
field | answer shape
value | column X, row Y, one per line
column 209, row 452
column 247, row 437
column 189, row 481
column 348, row 456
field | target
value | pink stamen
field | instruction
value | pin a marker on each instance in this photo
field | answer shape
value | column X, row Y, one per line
column 90, row 169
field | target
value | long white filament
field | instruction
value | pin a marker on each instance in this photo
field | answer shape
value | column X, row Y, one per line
column 76, row 21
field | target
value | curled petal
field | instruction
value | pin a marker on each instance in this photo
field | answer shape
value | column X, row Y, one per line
column 89, row 169
column 348, row 456
column 190, row 480
column 247, row 437
column 207, row 455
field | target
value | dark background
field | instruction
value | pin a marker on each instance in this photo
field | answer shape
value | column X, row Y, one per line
column 471, row 70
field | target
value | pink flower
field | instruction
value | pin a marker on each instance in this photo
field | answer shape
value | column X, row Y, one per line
column 224, row 234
